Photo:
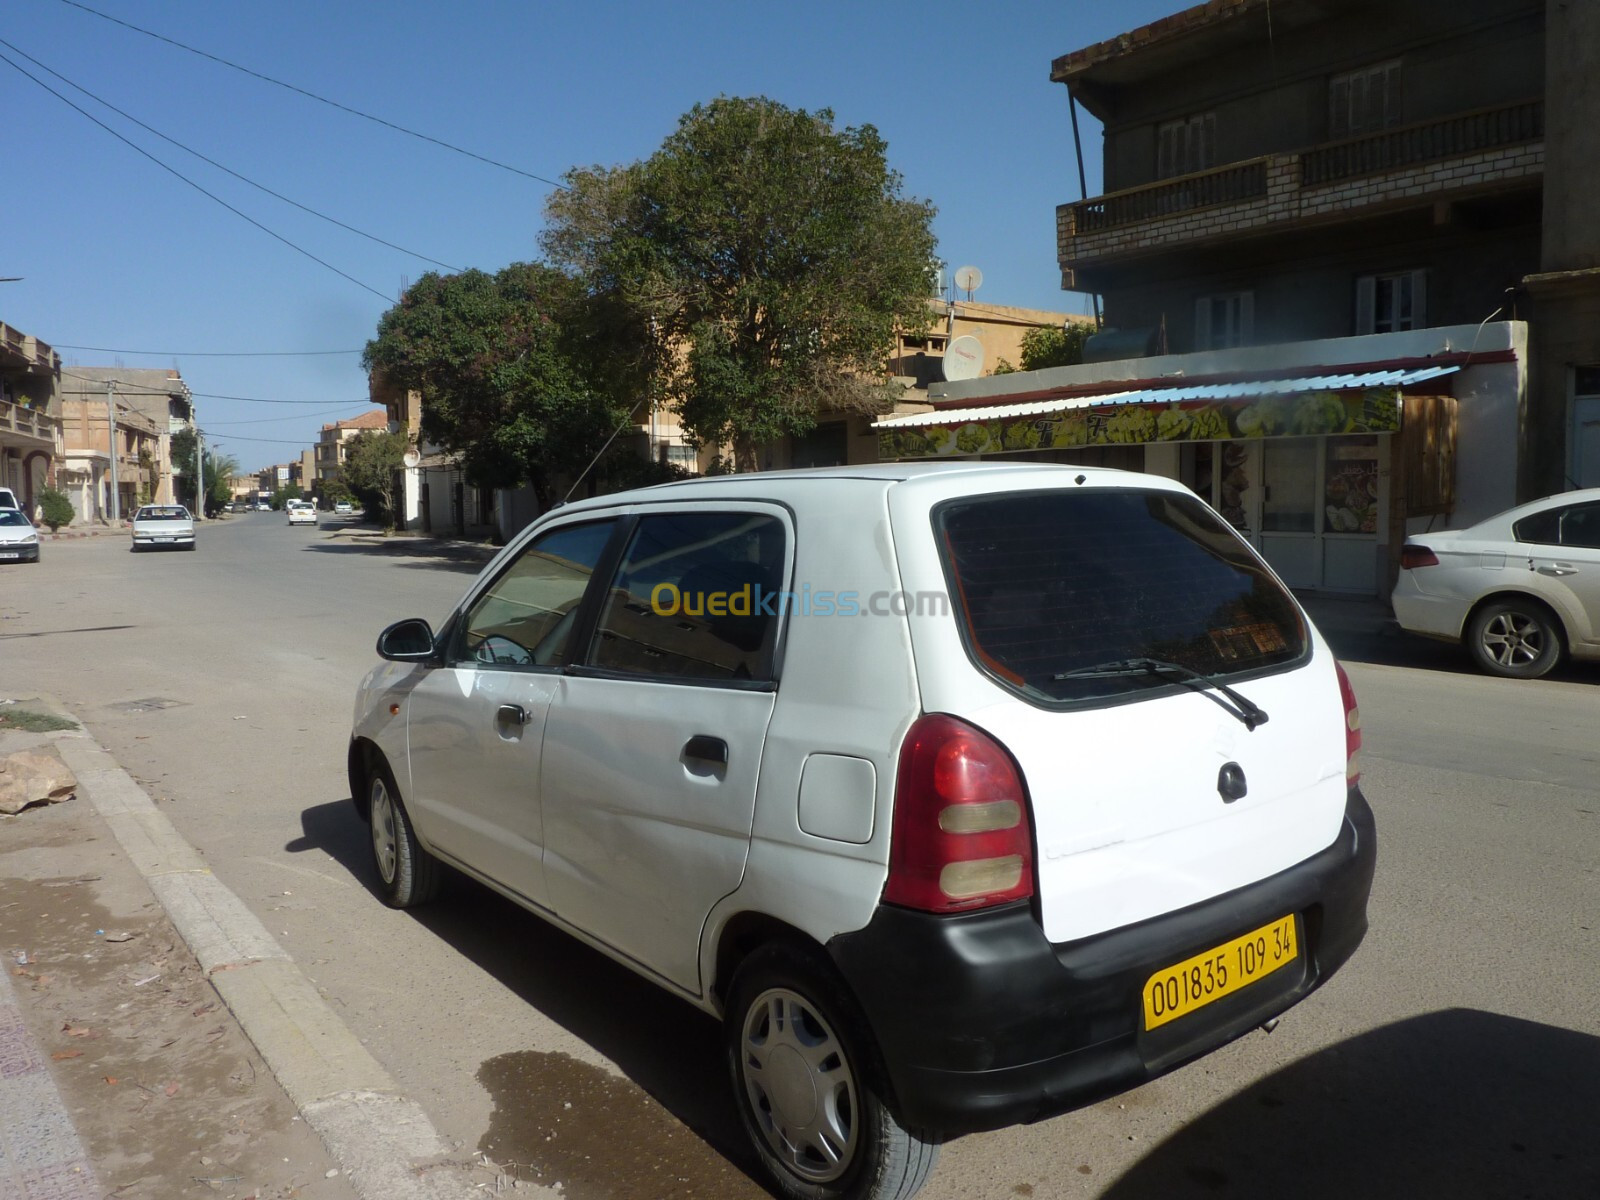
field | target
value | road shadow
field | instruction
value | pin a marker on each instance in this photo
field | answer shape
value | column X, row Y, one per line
column 427, row 554
column 1458, row 1103
column 665, row 1046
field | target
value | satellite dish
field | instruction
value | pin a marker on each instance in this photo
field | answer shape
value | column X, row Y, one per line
column 968, row 280
column 963, row 358
column 411, row 458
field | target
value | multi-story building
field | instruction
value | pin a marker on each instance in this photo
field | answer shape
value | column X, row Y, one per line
column 159, row 394
column 333, row 444
column 100, row 486
column 1380, row 208
column 30, row 414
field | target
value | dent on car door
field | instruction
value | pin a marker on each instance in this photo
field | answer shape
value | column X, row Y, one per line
column 476, row 724
column 653, row 745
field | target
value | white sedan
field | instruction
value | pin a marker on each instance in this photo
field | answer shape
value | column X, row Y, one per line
column 302, row 514
column 163, row 526
column 1521, row 589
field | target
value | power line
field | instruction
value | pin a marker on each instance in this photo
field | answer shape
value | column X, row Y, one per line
column 227, row 170
column 205, row 353
column 356, row 112
column 175, row 172
column 134, row 389
column 327, row 412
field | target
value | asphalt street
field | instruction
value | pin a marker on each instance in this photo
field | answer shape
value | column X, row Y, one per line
column 1457, row 1055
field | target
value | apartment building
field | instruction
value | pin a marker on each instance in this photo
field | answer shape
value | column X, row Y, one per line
column 30, row 414
column 1363, row 234
column 156, row 403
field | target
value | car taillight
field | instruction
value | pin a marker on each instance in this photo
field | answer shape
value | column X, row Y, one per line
column 1352, row 729
column 1412, row 557
column 961, row 838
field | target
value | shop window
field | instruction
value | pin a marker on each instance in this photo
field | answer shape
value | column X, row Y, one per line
column 1350, row 486
column 1186, row 146
column 1392, row 302
column 1224, row 319
column 1289, row 483
column 1364, row 101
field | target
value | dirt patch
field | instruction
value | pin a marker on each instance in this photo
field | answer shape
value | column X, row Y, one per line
column 165, row 1091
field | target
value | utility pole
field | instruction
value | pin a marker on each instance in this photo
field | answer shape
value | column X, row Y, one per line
column 111, row 425
column 199, row 465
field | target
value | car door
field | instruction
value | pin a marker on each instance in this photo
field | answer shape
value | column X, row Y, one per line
column 475, row 725
column 653, row 744
column 1571, row 569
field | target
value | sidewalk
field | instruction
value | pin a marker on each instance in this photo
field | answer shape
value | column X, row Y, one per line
column 156, row 1042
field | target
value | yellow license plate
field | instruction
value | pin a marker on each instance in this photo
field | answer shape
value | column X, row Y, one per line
column 1194, row 983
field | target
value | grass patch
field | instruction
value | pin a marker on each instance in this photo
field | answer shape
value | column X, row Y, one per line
column 33, row 722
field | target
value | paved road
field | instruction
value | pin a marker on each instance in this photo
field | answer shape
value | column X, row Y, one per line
column 1458, row 1055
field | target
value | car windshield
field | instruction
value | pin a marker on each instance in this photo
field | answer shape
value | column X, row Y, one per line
column 1060, row 592
column 10, row 516
column 162, row 512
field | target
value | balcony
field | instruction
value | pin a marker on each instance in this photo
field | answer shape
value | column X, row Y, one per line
column 1460, row 155
column 22, row 426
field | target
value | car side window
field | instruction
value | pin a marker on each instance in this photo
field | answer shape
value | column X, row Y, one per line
column 695, row 598
column 1542, row 527
column 1580, row 526
column 526, row 617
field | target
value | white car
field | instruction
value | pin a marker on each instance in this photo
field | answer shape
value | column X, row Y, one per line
column 343, row 508
column 19, row 540
column 301, row 513
column 964, row 794
column 163, row 526
column 1520, row 589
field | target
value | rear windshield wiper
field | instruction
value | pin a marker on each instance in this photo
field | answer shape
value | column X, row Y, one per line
column 1243, row 708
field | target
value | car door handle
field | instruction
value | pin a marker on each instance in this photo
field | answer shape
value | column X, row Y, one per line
column 1556, row 569
column 511, row 714
column 707, row 749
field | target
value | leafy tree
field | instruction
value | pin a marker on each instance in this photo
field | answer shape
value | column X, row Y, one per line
column 220, row 469
column 506, row 368
column 370, row 468
column 1050, row 346
column 759, row 263
column 55, row 508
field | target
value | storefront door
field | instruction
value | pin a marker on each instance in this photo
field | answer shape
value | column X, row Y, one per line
column 1321, row 510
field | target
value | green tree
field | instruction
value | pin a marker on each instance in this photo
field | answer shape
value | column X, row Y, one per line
column 220, row 469
column 370, row 469
column 506, row 367
column 55, row 508
column 759, row 264
column 1050, row 346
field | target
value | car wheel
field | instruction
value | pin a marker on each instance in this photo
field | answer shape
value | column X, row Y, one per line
column 407, row 873
column 1516, row 638
column 809, row 1086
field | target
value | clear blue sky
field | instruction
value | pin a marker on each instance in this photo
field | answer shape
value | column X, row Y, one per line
column 116, row 252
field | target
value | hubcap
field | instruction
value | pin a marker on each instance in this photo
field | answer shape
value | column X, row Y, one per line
column 385, row 842
column 800, row 1086
column 1513, row 639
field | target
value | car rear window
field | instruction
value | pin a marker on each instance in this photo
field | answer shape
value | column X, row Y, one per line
column 1045, row 584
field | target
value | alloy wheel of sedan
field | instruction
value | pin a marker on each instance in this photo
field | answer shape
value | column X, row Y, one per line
column 1515, row 639
column 385, row 850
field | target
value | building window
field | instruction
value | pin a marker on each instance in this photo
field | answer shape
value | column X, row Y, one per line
column 1364, row 101
column 1224, row 319
column 825, row 446
column 1186, row 146
column 686, row 457
column 1392, row 302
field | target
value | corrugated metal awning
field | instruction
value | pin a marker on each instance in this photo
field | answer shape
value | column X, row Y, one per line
column 1300, row 406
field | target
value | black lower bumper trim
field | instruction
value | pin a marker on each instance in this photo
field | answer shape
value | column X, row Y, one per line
column 983, row 1023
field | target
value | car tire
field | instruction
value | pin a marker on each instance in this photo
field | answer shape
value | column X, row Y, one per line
column 1516, row 638
column 810, row 1088
column 407, row 874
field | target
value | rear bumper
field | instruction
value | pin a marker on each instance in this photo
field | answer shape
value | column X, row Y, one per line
column 983, row 1023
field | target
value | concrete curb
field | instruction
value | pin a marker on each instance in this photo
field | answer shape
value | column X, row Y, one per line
column 385, row 1143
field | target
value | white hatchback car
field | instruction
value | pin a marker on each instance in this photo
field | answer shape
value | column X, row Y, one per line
column 1519, row 589
column 964, row 793
column 163, row 526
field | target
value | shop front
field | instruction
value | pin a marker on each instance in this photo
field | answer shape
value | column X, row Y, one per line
column 1318, row 472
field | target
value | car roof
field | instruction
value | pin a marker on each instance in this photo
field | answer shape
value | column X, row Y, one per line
column 979, row 476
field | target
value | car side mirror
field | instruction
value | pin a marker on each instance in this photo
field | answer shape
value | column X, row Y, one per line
column 410, row 640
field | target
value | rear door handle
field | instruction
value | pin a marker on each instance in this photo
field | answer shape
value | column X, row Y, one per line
column 511, row 714
column 707, row 749
column 1556, row 569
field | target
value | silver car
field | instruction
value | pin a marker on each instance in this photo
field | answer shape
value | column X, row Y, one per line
column 19, row 540
column 163, row 526
column 1521, row 590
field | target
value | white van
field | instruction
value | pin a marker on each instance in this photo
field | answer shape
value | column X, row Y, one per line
column 963, row 793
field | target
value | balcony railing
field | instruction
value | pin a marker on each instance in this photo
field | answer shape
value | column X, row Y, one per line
column 1452, row 137
column 1223, row 185
column 29, row 422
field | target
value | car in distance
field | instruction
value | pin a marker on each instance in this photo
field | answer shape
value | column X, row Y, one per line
column 343, row 508
column 19, row 540
column 964, row 794
column 1521, row 590
column 163, row 526
column 301, row 512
